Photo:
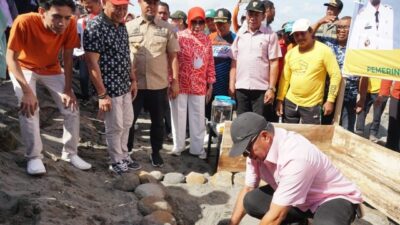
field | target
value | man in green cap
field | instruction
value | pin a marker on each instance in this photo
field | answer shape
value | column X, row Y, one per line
column 210, row 14
column 178, row 20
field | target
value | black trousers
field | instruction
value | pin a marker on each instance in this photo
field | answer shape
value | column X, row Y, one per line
column 253, row 101
column 154, row 102
column 293, row 113
column 333, row 212
column 393, row 138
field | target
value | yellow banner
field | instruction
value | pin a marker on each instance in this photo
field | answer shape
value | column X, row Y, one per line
column 383, row 64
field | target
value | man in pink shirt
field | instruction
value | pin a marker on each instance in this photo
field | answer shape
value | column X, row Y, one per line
column 302, row 182
column 255, row 67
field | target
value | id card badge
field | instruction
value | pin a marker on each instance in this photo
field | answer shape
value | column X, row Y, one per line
column 197, row 62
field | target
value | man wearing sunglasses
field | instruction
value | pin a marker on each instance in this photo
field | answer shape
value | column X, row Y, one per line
column 298, row 174
column 338, row 46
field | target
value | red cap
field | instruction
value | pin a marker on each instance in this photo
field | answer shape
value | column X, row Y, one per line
column 120, row 2
column 194, row 13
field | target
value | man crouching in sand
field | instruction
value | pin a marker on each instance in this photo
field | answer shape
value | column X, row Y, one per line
column 302, row 182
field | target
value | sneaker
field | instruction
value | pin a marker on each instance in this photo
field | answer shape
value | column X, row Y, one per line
column 132, row 164
column 35, row 167
column 119, row 167
column 79, row 163
column 76, row 161
column 156, row 160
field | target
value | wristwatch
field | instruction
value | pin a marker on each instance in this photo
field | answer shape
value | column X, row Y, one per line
column 273, row 89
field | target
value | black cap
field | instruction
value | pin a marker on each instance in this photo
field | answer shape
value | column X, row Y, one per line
column 222, row 16
column 256, row 6
column 243, row 129
column 335, row 3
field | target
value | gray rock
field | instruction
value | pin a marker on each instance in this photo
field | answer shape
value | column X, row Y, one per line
column 222, row 179
column 174, row 178
column 194, row 178
column 150, row 189
column 239, row 179
column 159, row 218
column 157, row 175
column 151, row 204
column 127, row 182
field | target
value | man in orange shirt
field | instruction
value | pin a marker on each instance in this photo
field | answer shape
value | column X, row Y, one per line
column 32, row 56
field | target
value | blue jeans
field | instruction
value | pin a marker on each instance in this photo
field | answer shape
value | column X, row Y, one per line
column 377, row 113
column 348, row 118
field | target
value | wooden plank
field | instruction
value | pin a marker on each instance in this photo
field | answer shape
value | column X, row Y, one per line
column 339, row 102
column 226, row 163
column 375, row 169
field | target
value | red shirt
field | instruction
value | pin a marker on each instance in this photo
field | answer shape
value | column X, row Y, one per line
column 196, row 63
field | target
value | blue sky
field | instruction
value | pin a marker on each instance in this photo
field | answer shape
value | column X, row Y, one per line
column 286, row 10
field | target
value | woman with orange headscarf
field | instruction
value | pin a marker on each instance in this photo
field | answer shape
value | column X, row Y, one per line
column 196, row 76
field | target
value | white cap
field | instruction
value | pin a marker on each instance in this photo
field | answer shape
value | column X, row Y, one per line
column 301, row 25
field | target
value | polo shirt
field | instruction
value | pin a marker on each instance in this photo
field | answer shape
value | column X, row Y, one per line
column 252, row 52
column 111, row 42
column 301, row 175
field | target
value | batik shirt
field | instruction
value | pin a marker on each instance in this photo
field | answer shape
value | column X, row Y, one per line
column 351, row 89
column 111, row 42
column 196, row 63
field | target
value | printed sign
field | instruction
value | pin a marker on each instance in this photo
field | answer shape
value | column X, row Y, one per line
column 373, row 48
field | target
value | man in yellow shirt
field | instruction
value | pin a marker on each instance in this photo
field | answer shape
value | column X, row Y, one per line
column 301, row 87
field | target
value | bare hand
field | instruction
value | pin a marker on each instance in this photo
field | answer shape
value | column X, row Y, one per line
column 174, row 89
column 279, row 108
column 133, row 90
column 69, row 100
column 360, row 105
column 29, row 104
column 328, row 108
column 105, row 104
column 327, row 19
column 209, row 94
column 269, row 97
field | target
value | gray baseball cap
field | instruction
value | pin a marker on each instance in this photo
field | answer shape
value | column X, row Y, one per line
column 243, row 129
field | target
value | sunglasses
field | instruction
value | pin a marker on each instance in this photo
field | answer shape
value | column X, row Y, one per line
column 341, row 27
column 247, row 151
column 198, row 22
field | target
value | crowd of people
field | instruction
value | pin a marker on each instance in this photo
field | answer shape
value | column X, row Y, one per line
column 172, row 65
